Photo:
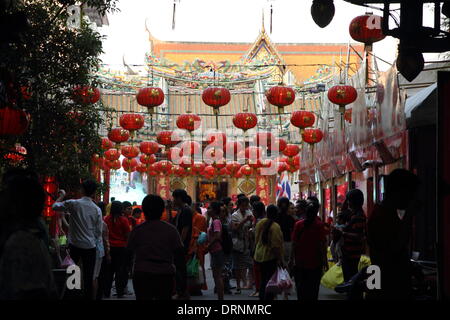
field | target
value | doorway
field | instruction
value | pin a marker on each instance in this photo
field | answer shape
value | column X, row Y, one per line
column 212, row 191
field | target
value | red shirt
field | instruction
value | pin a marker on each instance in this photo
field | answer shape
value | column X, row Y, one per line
column 308, row 241
column 118, row 231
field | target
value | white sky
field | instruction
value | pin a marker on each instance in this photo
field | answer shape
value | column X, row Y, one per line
column 229, row 21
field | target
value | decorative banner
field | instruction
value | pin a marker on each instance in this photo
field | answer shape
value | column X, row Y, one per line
column 262, row 189
column 163, row 187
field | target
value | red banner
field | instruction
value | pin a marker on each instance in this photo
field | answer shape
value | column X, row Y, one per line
column 163, row 187
column 262, row 189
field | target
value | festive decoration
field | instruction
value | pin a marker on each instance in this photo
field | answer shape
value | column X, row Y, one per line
column 189, row 122
column 342, row 95
column 147, row 159
column 233, row 167
column 367, row 29
column 246, row 170
column 50, row 187
column 209, row 171
column 280, row 96
column 216, row 97
column 149, row 147
column 164, row 166
column 129, row 165
column 106, row 144
column 282, row 166
column 220, row 164
column 312, row 136
column 141, row 168
column 198, row 167
column 86, row 95
column 178, row 171
column 114, row 165
column 303, row 119
column 150, row 97
column 167, row 138
column 112, row 154
column 17, row 156
column 132, row 122
column 174, row 154
column 245, row 120
column 118, row 135
column 348, row 115
column 216, row 139
column 291, row 150
column 13, row 122
column 278, row 145
column 129, row 151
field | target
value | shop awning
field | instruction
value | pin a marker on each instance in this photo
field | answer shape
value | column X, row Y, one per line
column 420, row 109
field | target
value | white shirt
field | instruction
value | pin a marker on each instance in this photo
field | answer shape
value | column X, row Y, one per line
column 85, row 222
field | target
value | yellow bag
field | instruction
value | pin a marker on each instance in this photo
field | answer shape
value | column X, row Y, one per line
column 333, row 277
column 364, row 261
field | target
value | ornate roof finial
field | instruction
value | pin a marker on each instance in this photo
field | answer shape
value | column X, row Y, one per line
column 263, row 30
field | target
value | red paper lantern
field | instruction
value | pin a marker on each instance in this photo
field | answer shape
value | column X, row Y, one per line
column 291, row 150
column 292, row 169
column 129, row 165
column 294, row 161
column 216, row 97
column 246, row 170
column 280, row 96
column 216, row 139
column 85, row 94
column 114, row 164
column 185, row 162
column 112, row 154
column 221, row 163
column 233, row 167
column 129, row 151
column 198, row 167
column 312, row 136
column 141, row 168
column 255, row 163
column 18, row 156
column 209, row 171
column 224, row 172
column 13, row 122
column 367, row 29
column 303, row 119
column 149, row 147
column 132, row 121
column 279, row 145
column 342, row 95
column 167, row 138
column 282, row 166
column 264, row 139
column 107, row 144
column 238, row 175
column 233, row 147
column 118, row 135
column 178, row 171
column 147, row 159
column 245, row 120
column 164, row 166
column 189, row 122
column 150, row 97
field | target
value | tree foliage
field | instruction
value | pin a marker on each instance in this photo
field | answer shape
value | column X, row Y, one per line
column 51, row 59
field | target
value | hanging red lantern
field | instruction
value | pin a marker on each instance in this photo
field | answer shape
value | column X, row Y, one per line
column 198, row 167
column 114, row 164
column 264, row 139
column 107, row 144
column 132, row 122
column 291, row 150
column 348, row 115
column 221, row 163
column 185, row 162
column 280, row 96
column 118, row 135
column 164, row 166
column 238, row 175
column 292, row 169
column 129, row 165
column 255, row 163
column 294, row 161
column 85, row 94
column 17, row 156
column 26, row 92
column 216, row 139
column 13, row 122
column 167, row 138
column 147, row 159
column 178, row 171
column 367, row 29
column 190, row 148
column 189, row 122
column 129, row 151
column 216, row 97
column 282, row 166
column 303, row 119
column 209, row 171
column 112, row 154
column 312, row 136
column 246, row 170
column 224, row 172
column 245, row 120
column 141, row 168
column 149, row 147
column 233, row 167
column 342, row 95
column 150, row 97
column 233, row 147
column 278, row 145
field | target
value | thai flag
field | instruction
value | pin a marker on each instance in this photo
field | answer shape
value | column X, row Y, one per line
column 283, row 186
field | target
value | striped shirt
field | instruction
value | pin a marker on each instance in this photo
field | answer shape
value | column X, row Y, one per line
column 355, row 236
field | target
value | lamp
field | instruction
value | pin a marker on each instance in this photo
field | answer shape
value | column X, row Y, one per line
column 410, row 63
column 322, row 12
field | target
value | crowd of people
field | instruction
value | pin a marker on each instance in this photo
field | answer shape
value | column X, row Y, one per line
column 154, row 243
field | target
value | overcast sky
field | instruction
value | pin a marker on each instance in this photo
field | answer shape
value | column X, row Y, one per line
column 228, row 21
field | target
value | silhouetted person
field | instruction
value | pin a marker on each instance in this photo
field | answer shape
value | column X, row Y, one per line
column 389, row 236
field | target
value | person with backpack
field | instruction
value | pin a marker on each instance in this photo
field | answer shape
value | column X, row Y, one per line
column 269, row 249
column 215, row 246
column 309, row 253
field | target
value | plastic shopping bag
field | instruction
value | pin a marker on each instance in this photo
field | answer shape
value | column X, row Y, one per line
column 67, row 262
column 280, row 282
column 364, row 261
column 193, row 267
column 333, row 277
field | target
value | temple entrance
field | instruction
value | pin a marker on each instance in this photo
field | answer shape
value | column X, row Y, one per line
column 207, row 190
